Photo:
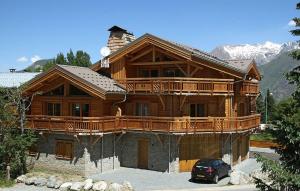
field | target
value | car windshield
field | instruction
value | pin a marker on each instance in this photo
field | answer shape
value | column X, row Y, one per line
column 204, row 163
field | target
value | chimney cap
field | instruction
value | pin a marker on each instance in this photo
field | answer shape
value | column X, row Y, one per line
column 12, row 70
column 116, row 28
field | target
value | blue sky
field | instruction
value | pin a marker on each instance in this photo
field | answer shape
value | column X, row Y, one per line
column 34, row 29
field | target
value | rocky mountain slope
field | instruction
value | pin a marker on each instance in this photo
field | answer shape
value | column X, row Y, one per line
column 262, row 53
column 274, row 76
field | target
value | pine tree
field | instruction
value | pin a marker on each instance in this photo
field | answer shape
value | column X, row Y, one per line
column 260, row 107
column 285, row 174
column 80, row 59
column 269, row 106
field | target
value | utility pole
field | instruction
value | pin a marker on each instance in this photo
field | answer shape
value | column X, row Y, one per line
column 266, row 106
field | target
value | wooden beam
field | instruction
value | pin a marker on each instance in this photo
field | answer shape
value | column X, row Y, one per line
column 159, row 139
column 194, row 71
column 162, row 102
column 169, row 54
column 96, row 140
column 178, row 140
column 140, row 55
column 120, row 136
column 182, row 102
column 153, row 54
column 181, row 70
column 157, row 63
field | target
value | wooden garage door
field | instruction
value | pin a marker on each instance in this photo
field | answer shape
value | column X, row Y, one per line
column 193, row 148
column 143, row 153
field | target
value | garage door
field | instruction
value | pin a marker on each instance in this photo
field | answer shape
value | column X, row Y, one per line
column 193, row 148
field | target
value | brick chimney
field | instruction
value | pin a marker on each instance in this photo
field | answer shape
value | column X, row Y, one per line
column 118, row 38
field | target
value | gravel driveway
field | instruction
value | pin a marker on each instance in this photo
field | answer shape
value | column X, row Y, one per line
column 153, row 180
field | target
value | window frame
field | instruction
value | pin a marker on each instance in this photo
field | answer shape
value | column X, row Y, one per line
column 64, row 156
column 53, row 112
column 81, row 106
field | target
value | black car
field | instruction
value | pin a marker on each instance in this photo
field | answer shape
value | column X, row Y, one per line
column 210, row 169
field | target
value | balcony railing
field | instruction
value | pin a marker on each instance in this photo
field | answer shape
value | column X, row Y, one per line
column 250, row 88
column 148, row 124
column 166, row 85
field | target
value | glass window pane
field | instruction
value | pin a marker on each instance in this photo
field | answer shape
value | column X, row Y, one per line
column 85, row 110
column 76, row 109
column 192, row 110
column 200, row 110
column 56, row 109
column 154, row 73
column 49, row 109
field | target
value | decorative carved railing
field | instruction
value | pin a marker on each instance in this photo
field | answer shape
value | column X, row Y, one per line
column 166, row 85
column 250, row 88
column 136, row 123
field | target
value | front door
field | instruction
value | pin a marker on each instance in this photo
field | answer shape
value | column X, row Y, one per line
column 143, row 153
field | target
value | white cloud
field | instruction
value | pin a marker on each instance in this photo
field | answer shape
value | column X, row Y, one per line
column 35, row 58
column 22, row 59
column 292, row 23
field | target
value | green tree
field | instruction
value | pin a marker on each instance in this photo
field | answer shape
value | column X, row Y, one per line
column 260, row 107
column 285, row 174
column 13, row 142
column 269, row 107
column 80, row 59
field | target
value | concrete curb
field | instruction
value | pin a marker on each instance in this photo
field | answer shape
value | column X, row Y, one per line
column 232, row 187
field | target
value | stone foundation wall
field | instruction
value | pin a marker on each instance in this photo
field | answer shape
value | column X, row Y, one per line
column 118, row 150
column 87, row 159
column 158, row 151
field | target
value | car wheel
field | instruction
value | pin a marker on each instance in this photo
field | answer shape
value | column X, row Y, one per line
column 216, row 179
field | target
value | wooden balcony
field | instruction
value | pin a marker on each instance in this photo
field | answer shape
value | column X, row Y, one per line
column 249, row 88
column 90, row 125
column 166, row 85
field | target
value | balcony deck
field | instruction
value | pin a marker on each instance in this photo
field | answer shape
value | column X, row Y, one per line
column 249, row 88
column 90, row 125
column 167, row 85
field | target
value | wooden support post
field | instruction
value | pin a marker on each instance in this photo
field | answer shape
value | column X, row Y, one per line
column 182, row 102
column 78, row 139
column 178, row 140
column 162, row 102
column 159, row 140
column 169, row 153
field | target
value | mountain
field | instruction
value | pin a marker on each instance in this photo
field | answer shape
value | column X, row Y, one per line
column 261, row 52
column 37, row 65
column 274, row 76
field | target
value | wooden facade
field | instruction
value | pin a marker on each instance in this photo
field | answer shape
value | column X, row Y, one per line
column 166, row 90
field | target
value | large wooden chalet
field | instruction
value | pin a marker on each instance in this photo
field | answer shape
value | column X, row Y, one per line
column 157, row 105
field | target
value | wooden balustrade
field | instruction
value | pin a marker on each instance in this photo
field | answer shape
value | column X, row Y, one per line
column 166, row 85
column 145, row 123
column 250, row 88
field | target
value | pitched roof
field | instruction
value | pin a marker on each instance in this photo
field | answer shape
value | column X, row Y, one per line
column 92, row 77
column 15, row 79
column 235, row 66
column 241, row 64
column 84, row 77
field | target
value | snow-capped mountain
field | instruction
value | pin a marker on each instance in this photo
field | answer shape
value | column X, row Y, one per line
column 262, row 53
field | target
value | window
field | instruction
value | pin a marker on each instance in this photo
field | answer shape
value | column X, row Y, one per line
column 197, row 110
column 54, row 109
column 141, row 109
column 32, row 151
column 64, row 149
column 148, row 73
column 173, row 73
column 74, row 91
column 56, row 92
column 80, row 110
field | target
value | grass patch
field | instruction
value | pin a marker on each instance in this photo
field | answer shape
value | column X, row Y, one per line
column 263, row 136
column 46, row 173
column 6, row 183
